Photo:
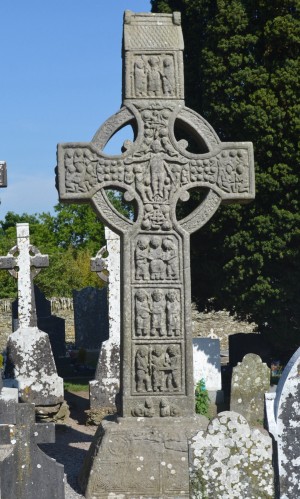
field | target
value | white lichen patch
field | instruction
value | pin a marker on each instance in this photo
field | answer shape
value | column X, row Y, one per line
column 230, row 460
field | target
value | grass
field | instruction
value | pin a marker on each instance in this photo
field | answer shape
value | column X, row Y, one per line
column 76, row 386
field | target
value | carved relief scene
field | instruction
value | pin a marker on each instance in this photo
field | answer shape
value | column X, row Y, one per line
column 153, row 76
column 157, row 313
column 156, row 258
column 157, row 368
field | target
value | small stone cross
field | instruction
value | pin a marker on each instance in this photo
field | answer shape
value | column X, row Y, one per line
column 24, row 262
column 155, row 172
column 3, row 174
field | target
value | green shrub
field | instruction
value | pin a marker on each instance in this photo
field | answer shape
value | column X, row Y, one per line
column 202, row 399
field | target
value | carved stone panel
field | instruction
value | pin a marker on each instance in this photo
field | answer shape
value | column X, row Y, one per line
column 157, row 368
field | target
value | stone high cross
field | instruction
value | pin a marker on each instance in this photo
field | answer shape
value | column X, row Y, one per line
column 3, row 174
column 155, row 171
column 28, row 261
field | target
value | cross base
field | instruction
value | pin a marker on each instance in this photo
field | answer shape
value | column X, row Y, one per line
column 140, row 458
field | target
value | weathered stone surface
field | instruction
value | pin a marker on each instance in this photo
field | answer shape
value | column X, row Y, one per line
column 8, row 401
column 90, row 317
column 3, row 174
column 231, row 460
column 29, row 356
column 283, row 411
column 30, row 364
column 154, row 171
column 207, row 366
column 25, row 471
column 140, row 458
column 104, row 388
column 249, row 383
column 47, row 322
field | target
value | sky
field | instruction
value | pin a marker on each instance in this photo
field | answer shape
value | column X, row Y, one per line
column 60, row 79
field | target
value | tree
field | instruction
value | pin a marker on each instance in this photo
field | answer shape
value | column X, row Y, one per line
column 70, row 238
column 241, row 74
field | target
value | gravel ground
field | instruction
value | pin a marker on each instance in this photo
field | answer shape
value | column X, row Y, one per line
column 72, row 442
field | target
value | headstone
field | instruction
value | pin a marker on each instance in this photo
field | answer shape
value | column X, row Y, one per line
column 155, row 172
column 249, row 383
column 50, row 324
column 231, row 460
column 207, row 366
column 25, row 471
column 90, row 317
column 30, row 360
column 3, row 174
column 8, row 401
column 104, row 388
column 283, row 423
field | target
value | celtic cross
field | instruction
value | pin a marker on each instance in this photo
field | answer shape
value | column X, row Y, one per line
column 155, row 171
column 24, row 262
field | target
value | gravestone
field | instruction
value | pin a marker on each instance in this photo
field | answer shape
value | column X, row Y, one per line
column 249, row 383
column 8, row 401
column 207, row 366
column 231, row 460
column 3, row 174
column 50, row 324
column 283, row 423
column 155, row 171
column 90, row 317
column 30, row 360
column 106, row 385
column 25, row 471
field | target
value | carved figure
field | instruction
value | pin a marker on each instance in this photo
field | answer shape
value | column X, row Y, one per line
column 157, row 266
column 168, row 76
column 143, row 381
column 146, row 411
column 141, row 259
column 173, row 314
column 173, row 372
column 167, row 410
column 140, row 78
column 170, row 258
column 158, row 365
column 154, row 77
column 158, row 314
column 142, row 313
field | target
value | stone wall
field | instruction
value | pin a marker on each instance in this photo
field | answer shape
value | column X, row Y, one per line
column 218, row 325
column 213, row 324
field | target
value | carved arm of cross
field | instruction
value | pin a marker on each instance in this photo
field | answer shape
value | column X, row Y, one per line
column 24, row 262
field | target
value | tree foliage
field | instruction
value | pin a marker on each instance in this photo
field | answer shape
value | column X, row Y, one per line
column 242, row 75
column 71, row 237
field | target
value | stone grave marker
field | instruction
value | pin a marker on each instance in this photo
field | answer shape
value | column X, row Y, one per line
column 207, row 366
column 154, row 171
column 8, row 401
column 106, row 385
column 90, row 317
column 26, row 471
column 3, row 174
column 30, row 360
column 231, row 460
column 249, row 383
column 50, row 324
column 283, row 410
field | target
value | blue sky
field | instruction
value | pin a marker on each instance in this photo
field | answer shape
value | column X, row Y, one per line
column 60, row 78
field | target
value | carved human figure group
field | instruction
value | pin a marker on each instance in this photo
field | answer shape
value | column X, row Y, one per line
column 157, row 368
column 158, row 313
column 154, row 76
column 156, row 258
